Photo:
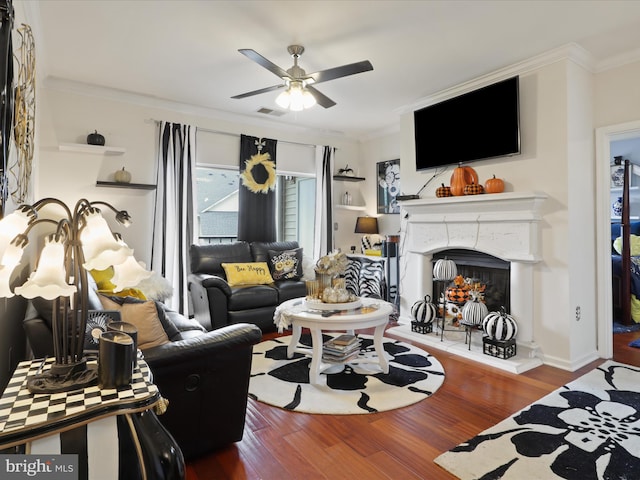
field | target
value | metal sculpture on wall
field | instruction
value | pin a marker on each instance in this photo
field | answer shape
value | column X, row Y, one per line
column 25, row 114
column 6, row 95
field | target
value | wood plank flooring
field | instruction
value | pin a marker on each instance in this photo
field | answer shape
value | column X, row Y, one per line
column 399, row 444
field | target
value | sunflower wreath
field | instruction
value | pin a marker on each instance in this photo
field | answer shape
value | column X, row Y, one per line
column 248, row 178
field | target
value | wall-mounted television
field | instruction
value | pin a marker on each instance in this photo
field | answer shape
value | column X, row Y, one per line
column 481, row 124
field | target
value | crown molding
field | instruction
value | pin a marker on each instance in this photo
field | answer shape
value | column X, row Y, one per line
column 618, row 61
column 571, row 52
column 134, row 98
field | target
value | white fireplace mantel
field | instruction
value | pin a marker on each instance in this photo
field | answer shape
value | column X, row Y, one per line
column 505, row 225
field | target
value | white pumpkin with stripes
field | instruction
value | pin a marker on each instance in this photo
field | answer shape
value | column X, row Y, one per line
column 500, row 325
column 424, row 311
column 445, row 270
column 474, row 311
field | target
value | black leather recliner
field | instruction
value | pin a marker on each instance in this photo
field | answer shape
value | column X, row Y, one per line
column 203, row 375
column 216, row 304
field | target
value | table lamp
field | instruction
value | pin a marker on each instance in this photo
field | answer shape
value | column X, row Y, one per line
column 368, row 226
column 81, row 241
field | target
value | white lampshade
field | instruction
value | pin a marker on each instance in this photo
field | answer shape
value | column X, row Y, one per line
column 129, row 274
column 296, row 97
column 48, row 280
column 100, row 247
column 10, row 226
column 282, row 100
column 308, row 99
column 10, row 259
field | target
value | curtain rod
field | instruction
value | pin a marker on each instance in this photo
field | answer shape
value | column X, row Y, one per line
column 220, row 132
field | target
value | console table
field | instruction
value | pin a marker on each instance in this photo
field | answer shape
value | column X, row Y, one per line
column 117, row 425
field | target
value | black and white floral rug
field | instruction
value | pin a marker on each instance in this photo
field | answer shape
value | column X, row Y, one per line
column 587, row 430
column 413, row 376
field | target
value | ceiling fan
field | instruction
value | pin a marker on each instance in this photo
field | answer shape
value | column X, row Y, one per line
column 299, row 93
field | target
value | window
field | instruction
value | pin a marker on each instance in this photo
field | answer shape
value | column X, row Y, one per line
column 217, row 191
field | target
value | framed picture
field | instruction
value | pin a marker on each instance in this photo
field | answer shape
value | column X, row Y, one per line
column 388, row 186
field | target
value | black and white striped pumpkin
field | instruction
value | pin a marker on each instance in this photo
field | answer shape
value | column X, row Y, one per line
column 500, row 325
column 445, row 270
column 474, row 311
column 424, row 311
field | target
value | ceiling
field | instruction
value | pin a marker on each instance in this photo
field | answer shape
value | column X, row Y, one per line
column 187, row 51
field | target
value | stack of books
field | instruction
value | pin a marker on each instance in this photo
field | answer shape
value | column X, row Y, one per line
column 341, row 349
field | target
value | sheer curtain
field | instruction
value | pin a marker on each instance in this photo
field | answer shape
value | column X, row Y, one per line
column 173, row 226
column 323, row 241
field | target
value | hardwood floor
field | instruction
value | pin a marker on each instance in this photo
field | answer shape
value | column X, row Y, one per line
column 399, row 444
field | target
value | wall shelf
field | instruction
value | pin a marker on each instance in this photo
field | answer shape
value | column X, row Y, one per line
column 347, row 178
column 350, row 207
column 631, row 217
column 139, row 186
column 93, row 149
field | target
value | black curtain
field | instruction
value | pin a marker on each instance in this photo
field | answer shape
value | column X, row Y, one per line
column 257, row 197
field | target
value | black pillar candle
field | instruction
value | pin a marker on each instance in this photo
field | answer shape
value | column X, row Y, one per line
column 115, row 360
column 127, row 328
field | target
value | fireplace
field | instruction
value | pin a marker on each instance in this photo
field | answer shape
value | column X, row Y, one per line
column 493, row 273
column 504, row 226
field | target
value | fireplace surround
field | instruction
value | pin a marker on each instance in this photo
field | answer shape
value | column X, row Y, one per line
column 504, row 225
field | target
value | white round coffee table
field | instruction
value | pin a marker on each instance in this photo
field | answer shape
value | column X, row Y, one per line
column 373, row 313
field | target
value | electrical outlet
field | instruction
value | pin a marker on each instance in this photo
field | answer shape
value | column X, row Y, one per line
column 578, row 313
column 335, row 226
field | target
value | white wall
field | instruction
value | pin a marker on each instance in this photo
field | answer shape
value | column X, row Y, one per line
column 67, row 117
column 557, row 159
column 372, row 151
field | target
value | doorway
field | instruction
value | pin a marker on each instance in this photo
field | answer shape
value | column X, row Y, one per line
column 604, row 137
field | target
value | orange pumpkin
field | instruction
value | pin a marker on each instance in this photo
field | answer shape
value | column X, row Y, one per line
column 443, row 191
column 473, row 189
column 494, row 185
column 457, row 295
column 461, row 177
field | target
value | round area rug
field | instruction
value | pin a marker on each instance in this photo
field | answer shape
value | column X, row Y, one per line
column 413, row 376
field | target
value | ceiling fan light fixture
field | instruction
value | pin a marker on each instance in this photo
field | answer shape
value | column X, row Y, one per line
column 296, row 97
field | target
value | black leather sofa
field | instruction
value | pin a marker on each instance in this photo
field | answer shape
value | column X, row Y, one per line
column 204, row 376
column 216, row 304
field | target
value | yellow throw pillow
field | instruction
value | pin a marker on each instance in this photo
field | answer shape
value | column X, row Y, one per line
column 256, row 273
column 103, row 281
column 145, row 318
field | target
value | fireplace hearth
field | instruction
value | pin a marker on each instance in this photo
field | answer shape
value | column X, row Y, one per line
column 503, row 226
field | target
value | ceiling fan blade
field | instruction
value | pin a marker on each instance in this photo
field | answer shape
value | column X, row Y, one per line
column 321, row 98
column 268, row 64
column 258, row 92
column 343, row 71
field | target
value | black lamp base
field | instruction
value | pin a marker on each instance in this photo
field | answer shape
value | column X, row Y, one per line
column 64, row 377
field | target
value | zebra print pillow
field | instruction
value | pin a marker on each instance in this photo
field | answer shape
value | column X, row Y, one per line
column 371, row 282
column 352, row 276
column 365, row 278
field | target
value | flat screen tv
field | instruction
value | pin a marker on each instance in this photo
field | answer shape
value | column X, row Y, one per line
column 484, row 123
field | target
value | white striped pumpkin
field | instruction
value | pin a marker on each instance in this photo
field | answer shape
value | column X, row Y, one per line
column 474, row 311
column 445, row 270
column 424, row 311
column 500, row 325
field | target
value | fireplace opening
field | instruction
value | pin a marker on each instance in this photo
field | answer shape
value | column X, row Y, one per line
column 481, row 268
